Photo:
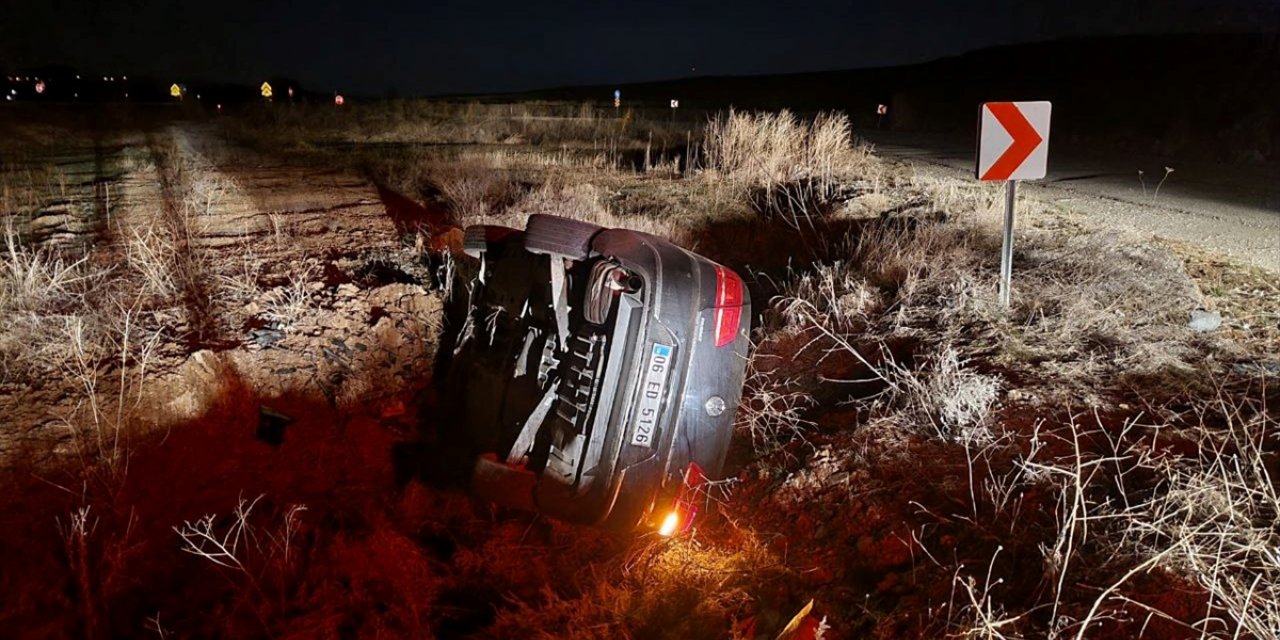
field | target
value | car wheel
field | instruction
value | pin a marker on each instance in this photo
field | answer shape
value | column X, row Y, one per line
column 553, row 235
column 477, row 238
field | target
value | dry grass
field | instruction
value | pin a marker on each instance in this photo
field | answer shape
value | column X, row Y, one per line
column 288, row 304
column 41, row 294
column 582, row 201
column 773, row 149
column 922, row 455
column 396, row 122
column 663, row 589
column 900, row 328
column 789, row 168
column 946, row 396
column 473, row 187
column 772, row 411
column 1214, row 520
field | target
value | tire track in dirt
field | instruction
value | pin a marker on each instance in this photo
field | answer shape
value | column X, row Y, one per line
column 242, row 272
column 188, row 265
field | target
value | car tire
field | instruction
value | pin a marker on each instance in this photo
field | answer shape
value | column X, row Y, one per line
column 477, row 238
column 553, row 235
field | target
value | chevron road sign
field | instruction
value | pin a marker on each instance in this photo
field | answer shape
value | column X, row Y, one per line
column 1013, row 145
column 1013, row 140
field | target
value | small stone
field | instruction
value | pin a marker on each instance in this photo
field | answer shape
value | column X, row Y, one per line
column 265, row 337
column 1204, row 321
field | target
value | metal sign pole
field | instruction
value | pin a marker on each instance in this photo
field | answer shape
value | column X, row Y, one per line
column 1006, row 250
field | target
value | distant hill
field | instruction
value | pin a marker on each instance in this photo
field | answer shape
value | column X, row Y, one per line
column 1170, row 94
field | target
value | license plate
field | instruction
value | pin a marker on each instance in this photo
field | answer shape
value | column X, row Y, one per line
column 655, row 386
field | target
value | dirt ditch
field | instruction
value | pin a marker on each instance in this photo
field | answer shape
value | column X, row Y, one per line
column 255, row 491
column 218, row 425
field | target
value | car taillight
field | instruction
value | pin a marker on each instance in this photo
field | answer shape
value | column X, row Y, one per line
column 685, row 509
column 728, row 305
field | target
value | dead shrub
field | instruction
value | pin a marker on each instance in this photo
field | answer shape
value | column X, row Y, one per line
column 772, row 410
column 789, row 167
column 41, row 293
column 474, row 187
column 1214, row 520
column 946, row 395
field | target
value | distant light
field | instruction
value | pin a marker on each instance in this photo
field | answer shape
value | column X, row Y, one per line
column 339, row 100
column 77, row 76
column 125, row 78
column 105, row 79
column 39, row 86
column 197, row 96
column 76, row 95
column 13, row 92
column 219, row 107
column 126, row 95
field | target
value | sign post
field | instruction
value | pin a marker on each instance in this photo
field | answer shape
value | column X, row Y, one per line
column 617, row 98
column 880, row 111
column 1006, row 244
column 1013, row 145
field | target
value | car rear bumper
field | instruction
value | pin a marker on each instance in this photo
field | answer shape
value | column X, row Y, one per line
column 699, row 398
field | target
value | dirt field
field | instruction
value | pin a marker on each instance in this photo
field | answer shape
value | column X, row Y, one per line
column 219, row 336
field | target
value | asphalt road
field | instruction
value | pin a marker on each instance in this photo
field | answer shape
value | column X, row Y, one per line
column 1234, row 210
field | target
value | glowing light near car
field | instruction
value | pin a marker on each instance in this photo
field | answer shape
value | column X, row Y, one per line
column 685, row 509
column 669, row 525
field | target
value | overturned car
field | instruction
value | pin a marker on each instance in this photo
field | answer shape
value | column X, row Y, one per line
column 597, row 372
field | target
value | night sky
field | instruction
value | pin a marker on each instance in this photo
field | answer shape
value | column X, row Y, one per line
column 501, row 45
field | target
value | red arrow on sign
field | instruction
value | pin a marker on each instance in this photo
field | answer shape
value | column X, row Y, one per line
column 1025, row 140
